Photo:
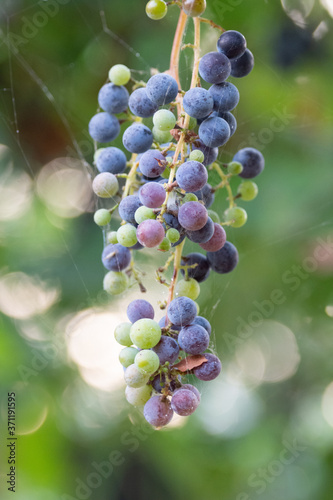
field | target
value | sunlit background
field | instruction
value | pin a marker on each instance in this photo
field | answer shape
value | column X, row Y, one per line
column 264, row 427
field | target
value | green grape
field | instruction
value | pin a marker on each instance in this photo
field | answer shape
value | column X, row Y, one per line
column 164, row 120
column 214, row 216
column 126, row 235
column 122, row 334
column 248, row 190
column 190, row 197
column 198, row 308
column 193, row 123
column 161, row 136
column 115, row 283
column 145, row 333
column 165, row 245
column 144, row 213
column 235, row 168
column 188, row 288
column 237, row 215
column 194, row 8
column 139, row 396
column 112, row 237
column 127, row 356
column 102, row 217
column 147, row 361
column 197, row 155
column 156, row 9
column 173, row 235
column 119, row 74
column 166, row 172
column 105, row 185
column 97, row 153
column 133, row 377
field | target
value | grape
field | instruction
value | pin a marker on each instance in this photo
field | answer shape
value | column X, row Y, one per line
column 232, row 44
column 164, row 120
column 211, row 154
column 161, row 136
column 189, row 197
column 202, row 235
column 210, row 369
column 139, row 309
column 137, row 246
column 248, row 190
column 144, row 213
column 152, row 163
column 159, row 383
column 140, row 104
column 225, row 96
column 225, row 260
column 192, row 388
column 145, row 333
column 214, row 216
column 193, row 339
column 188, row 288
column 192, row 215
column 217, row 241
column 192, row 124
column 231, row 121
column 133, row 376
column 214, row 132
column 105, row 185
column 172, row 235
column 112, row 237
column 197, row 155
column 128, row 206
column 137, row 138
column 104, row 127
column 164, row 323
column 243, row 65
column 111, row 160
column 201, row 271
column 200, row 320
column 127, row 356
column 182, row 311
column 139, row 396
column 115, row 283
column 122, row 334
column 102, row 217
column 198, row 102
column 157, row 411
column 119, row 74
column 184, row 402
column 116, row 257
column 113, row 98
column 162, row 89
column 194, row 8
column 126, row 235
column 97, row 153
column 214, row 67
column 150, row 233
column 191, row 176
column 236, row 216
column 164, row 246
column 235, row 168
column 156, row 9
column 167, row 350
column 147, row 361
column 252, row 161
column 152, row 195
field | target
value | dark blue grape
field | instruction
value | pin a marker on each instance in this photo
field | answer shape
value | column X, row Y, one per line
column 127, row 208
column 202, row 235
column 152, row 163
column 210, row 369
column 113, row 98
column 137, row 138
column 140, row 104
column 231, row 121
column 225, row 96
column 164, row 323
column 137, row 246
column 214, row 67
column 200, row 320
column 104, row 127
column 193, row 339
column 159, row 383
column 201, row 271
column 211, row 154
column 214, row 132
column 225, row 260
column 139, row 309
column 232, row 44
column 191, row 176
column 243, row 65
column 198, row 102
column 111, row 160
column 182, row 311
column 167, row 350
column 162, row 89
column 206, row 195
column 252, row 160
column 116, row 257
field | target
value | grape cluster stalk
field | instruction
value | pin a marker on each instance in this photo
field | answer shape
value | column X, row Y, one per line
column 163, row 196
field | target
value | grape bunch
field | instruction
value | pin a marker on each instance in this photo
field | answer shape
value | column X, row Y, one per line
column 163, row 197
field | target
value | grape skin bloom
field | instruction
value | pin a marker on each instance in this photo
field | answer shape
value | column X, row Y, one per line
column 113, row 98
column 116, row 257
column 192, row 215
column 111, row 160
column 137, row 138
column 104, row 127
column 214, row 132
column 225, row 260
column 184, row 402
column 193, row 339
column 182, row 311
column 138, row 309
column 140, row 104
column 214, row 67
column 191, row 176
column 162, row 89
column 198, row 103
column 157, row 411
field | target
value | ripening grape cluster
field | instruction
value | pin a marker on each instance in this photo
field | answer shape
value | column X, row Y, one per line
column 163, row 196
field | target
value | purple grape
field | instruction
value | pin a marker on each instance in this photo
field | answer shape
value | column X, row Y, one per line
column 214, row 67
column 150, row 233
column 167, row 349
column 193, row 339
column 214, row 132
column 104, row 127
column 182, row 311
column 157, row 411
column 201, row 271
column 163, row 324
column 137, row 246
column 211, row 154
column 113, row 98
column 206, row 195
column 116, row 257
column 137, row 138
column 192, row 388
column 231, row 121
column 159, row 383
column 162, row 89
column 225, row 260
column 243, row 65
column 225, row 96
column 184, row 402
column 198, row 102
column 140, row 104
column 192, row 215
column 232, row 44
column 210, row 369
column 191, row 176
column 217, row 240
column 152, row 195
column 150, row 163
column 128, row 206
column 111, row 160
column 139, row 309
column 204, row 234
column 252, row 160
column 200, row 320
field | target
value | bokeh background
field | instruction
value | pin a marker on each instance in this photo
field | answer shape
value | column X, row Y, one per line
column 264, row 427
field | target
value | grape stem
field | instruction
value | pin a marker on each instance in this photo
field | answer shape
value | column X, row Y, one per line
column 131, row 176
column 224, row 184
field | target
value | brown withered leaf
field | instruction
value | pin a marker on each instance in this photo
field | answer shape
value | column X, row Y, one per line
column 190, row 362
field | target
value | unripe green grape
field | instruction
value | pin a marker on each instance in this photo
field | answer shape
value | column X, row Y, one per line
column 122, row 334
column 127, row 356
column 214, row 216
column 133, row 377
column 102, row 217
column 112, row 237
column 248, row 190
column 166, row 172
column 164, row 120
column 119, row 74
column 197, row 155
column 235, row 168
column 144, row 213
column 161, row 136
column 97, row 153
column 156, row 9
column 198, row 308
column 189, row 197
column 147, row 361
column 194, row 8
column 115, row 283
column 139, row 396
column 126, row 235
column 165, row 245
column 105, row 185
column 193, row 123
column 237, row 215
column 188, row 288
column 145, row 333
column 173, row 235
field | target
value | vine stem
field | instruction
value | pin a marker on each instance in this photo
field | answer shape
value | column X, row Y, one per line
column 176, row 268
column 131, row 175
column 176, row 47
column 224, row 183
